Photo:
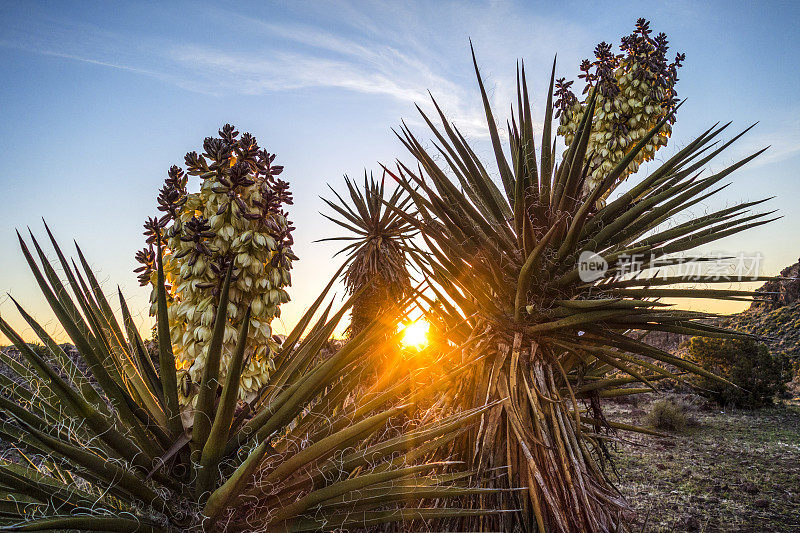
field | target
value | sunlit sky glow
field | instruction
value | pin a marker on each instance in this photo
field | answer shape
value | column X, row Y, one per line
column 99, row 99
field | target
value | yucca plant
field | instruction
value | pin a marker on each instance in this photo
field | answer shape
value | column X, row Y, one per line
column 106, row 451
column 376, row 256
column 502, row 265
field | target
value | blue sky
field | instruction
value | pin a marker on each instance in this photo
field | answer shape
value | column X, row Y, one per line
column 99, row 99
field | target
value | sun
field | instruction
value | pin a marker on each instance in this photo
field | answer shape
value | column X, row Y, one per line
column 415, row 334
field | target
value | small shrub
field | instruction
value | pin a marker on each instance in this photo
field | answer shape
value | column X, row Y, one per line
column 664, row 414
column 756, row 374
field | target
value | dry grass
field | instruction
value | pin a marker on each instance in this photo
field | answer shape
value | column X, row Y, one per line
column 731, row 471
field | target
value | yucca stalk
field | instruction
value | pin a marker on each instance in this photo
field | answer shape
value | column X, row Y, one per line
column 502, row 267
column 376, row 256
column 106, row 451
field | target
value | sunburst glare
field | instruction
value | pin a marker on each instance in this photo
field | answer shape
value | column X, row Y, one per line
column 415, row 334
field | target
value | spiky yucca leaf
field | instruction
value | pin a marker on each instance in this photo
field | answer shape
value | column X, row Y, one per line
column 377, row 266
column 105, row 450
column 502, row 266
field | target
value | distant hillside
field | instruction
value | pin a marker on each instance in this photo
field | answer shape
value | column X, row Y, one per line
column 775, row 317
column 780, row 326
column 780, row 292
column 12, row 353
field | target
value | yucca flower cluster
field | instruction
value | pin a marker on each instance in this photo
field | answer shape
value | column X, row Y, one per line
column 635, row 90
column 236, row 221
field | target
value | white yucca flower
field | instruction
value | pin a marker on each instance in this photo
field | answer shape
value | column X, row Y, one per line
column 634, row 92
column 236, row 217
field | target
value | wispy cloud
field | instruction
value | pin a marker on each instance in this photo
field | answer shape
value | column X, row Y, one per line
column 374, row 52
column 305, row 56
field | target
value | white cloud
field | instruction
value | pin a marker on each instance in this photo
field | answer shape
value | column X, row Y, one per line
column 386, row 50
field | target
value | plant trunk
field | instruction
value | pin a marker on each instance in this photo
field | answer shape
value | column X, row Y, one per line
column 532, row 440
column 373, row 301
